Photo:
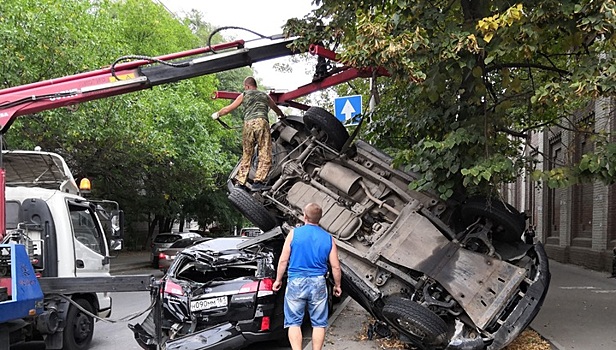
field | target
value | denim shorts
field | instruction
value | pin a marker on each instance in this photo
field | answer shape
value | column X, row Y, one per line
column 302, row 293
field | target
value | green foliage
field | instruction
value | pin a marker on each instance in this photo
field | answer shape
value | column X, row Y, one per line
column 156, row 152
column 472, row 80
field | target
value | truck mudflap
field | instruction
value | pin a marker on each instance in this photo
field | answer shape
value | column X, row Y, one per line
column 529, row 305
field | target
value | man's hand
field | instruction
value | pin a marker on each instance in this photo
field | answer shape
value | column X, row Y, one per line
column 276, row 286
column 215, row 116
column 337, row 291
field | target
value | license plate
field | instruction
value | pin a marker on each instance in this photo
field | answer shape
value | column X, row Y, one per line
column 205, row 304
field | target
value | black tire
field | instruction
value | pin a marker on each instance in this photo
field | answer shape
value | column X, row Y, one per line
column 422, row 326
column 335, row 133
column 79, row 327
column 509, row 222
column 251, row 209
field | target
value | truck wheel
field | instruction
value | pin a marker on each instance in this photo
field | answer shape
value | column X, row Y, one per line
column 79, row 327
column 251, row 209
column 423, row 326
column 327, row 125
column 509, row 222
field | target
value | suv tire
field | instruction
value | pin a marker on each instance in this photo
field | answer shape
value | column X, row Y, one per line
column 252, row 209
column 415, row 321
column 325, row 123
column 511, row 221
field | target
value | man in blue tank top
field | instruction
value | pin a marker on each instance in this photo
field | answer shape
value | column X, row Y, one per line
column 256, row 131
column 307, row 250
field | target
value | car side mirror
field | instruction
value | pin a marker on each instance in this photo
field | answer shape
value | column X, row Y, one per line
column 116, row 244
column 117, row 224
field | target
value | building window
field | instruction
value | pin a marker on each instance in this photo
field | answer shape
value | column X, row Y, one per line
column 556, row 159
column 582, row 194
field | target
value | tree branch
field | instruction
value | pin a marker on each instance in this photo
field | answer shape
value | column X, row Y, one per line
column 494, row 67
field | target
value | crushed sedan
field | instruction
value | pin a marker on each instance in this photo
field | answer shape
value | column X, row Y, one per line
column 216, row 295
column 449, row 274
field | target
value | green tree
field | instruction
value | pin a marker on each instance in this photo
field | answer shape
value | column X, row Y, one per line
column 472, row 79
column 153, row 151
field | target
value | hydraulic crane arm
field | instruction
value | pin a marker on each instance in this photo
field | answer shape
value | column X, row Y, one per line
column 132, row 76
column 324, row 78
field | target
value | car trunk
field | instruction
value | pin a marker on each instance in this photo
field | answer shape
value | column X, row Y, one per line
column 223, row 292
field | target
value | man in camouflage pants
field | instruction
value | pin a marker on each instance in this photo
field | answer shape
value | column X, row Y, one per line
column 256, row 131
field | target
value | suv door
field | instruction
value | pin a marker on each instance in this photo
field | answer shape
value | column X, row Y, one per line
column 89, row 240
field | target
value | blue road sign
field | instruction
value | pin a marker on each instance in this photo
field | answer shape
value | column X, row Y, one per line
column 347, row 107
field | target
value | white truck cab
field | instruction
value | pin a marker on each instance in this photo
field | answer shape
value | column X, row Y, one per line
column 64, row 235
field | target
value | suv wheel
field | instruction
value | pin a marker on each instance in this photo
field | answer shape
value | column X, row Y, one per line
column 326, row 125
column 509, row 222
column 252, row 209
column 419, row 323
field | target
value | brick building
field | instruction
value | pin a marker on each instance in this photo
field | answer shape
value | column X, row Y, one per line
column 577, row 224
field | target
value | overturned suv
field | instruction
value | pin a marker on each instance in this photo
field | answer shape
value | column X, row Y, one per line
column 452, row 275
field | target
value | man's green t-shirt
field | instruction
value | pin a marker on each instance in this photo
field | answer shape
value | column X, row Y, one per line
column 255, row 105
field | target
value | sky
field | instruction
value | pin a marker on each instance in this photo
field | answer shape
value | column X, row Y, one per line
column 265, row 17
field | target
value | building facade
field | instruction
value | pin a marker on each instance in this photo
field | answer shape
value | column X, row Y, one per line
column 577, row 224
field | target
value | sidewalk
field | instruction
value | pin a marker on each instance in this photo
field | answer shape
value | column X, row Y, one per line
column 579, row 311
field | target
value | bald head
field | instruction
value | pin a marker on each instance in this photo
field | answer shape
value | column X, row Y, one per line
column 313, row 213
column 251, row 82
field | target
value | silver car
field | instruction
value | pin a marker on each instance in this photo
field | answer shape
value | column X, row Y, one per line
column 166, row 256
column 163, row 241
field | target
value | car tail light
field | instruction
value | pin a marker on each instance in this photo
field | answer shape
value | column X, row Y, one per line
column 162, row 256
column 263, row 287
column 173, row 288
column 265, row 323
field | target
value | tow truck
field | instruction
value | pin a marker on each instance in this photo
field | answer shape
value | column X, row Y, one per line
column 66, row 291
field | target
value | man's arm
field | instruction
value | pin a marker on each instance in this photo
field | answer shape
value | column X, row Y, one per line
column 275, row 107
column 228, row 109
column 283, row 261
column 335, row 264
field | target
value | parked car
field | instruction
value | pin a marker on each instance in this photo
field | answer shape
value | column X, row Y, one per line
column 166, row 257
column 217, row 295
column 449, row 274
column 163, row 241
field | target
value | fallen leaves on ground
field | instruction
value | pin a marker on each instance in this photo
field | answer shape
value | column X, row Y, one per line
column 527, row 340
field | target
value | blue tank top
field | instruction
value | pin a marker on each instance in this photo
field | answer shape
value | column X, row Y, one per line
column 310, row 250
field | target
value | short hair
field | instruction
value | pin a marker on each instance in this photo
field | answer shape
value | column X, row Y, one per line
column 250, row 81
column 313, row 212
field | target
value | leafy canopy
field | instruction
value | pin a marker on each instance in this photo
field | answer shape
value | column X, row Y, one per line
column 156, row 152
column 472, row 80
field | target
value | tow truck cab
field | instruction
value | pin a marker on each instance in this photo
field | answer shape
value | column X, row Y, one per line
column 64, row 236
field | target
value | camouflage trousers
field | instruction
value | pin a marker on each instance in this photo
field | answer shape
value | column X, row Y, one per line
column 255, row 132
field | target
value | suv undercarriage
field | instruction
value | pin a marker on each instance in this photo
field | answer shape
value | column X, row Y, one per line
column 453, row 274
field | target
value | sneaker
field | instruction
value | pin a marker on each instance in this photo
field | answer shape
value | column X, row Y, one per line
column 259, row 186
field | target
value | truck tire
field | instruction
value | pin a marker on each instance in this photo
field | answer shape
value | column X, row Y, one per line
column 79, row 327
column 325, row 123
column 425, row 329
column 510, row 222
column 251, row 209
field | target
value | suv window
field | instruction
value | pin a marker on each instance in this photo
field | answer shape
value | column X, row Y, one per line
column 250, row 231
